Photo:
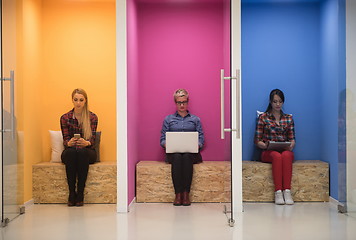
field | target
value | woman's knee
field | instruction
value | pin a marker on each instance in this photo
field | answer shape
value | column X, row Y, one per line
column 82, row 152
column 176, row 157
column 288, row 155
column 86, row 155
column 67, row 154
column 271, row 156
column 187, row 156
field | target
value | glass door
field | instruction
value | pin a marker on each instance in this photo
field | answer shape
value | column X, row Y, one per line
column 11, row 169
column 348, row 182
column 230, row 79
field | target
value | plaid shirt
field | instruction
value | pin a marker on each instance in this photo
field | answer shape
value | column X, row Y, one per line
column 70, row 126
column 268, row 130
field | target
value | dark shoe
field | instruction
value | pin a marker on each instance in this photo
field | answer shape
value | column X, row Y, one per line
column 178, row 200
column 186, row 201
column 72, row 199
column 79, row 204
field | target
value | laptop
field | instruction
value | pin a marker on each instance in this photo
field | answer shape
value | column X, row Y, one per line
column 278, row 146
column 182, row 142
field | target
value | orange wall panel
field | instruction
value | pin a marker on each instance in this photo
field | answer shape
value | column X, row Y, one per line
column 62, row 45
column 79, row 52
column 28, row 79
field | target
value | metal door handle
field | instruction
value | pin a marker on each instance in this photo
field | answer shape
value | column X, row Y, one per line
column 12, row 104
column 222, row 109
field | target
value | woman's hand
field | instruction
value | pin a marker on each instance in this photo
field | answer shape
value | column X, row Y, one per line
column 291, row 146
column 81, row 142
column 262, row 145
column 72, row 142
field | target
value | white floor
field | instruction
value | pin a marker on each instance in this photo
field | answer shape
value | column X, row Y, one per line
column 204, row 221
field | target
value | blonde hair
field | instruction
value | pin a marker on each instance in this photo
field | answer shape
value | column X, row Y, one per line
column 180, row 93
column 85, row 118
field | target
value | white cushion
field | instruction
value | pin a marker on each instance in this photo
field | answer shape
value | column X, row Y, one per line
column 56, row 145
column 259, row 113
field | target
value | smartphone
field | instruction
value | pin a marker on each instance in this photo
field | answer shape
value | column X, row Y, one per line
column 77, row 135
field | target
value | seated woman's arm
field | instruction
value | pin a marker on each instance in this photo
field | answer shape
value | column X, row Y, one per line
column 259, row 134
column 165, row 128
column 199, row 129
column 65, row 131
column 291, row 134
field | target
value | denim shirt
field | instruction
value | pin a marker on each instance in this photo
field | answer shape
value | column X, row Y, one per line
column 177, row 123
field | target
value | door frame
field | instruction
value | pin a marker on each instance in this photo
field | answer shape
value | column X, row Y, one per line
column 121, row 107
column 236, row 146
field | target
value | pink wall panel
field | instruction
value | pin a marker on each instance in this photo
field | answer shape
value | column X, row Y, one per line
column 180, row 45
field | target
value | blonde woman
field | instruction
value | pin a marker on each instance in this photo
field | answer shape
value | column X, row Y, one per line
column 78, row 129
column 182, row 163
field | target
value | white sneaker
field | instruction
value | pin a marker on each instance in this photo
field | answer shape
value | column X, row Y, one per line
column 278, row 197
column 288, row 197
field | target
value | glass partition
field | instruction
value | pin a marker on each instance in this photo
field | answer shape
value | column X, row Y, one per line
column 231, row 113
column 12, row 174
column 348, row 184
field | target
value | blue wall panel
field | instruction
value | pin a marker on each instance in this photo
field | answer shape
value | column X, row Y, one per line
column 281, row 49
column 333, row 93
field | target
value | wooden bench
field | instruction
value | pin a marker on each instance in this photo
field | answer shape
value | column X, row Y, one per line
column 50, row 184
column 211, row 181
column 310, row 181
